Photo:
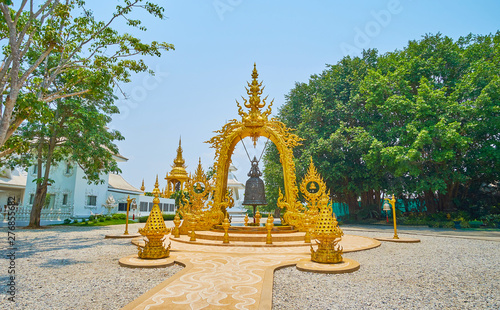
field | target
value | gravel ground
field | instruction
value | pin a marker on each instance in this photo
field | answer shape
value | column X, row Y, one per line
column 438, row 273
column 75, row 268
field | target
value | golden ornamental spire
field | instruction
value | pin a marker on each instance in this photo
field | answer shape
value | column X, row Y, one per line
column 178, row 175
column 143, row 188
column 254, row 117
column 154, row 230
column 179, row 161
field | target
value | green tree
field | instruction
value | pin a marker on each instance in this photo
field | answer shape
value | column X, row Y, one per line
column 421, row 122
column 73, row 130
column 62, row 40
column 330, row 116
column 439, row 102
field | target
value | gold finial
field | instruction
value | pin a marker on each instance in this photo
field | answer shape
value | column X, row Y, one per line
column 143, row 188
column 179, row 161
column 254, row 117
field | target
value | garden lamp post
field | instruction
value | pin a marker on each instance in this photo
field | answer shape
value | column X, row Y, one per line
column 392, row 201
column 387, row 207
column 128, row 208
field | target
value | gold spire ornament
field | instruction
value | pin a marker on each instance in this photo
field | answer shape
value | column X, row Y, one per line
column 326, row 230
column 143, row 188
column 328, row 235
column 178, row 175
column 155, row 231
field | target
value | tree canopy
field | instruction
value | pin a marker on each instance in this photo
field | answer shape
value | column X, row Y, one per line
column 60, row 69
column 59, row 50
column 422, row 123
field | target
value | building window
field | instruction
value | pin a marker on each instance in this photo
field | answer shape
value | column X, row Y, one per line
column 122, row 206
column 49, row 201
column 150, row 207
column 35, row 169
column 143, row 206
column 172, row 207
column 92, row 200
column 65, row 199
column 32, row 198
column 68, row 168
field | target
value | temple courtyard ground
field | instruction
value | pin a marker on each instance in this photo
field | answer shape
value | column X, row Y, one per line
column 68, row 267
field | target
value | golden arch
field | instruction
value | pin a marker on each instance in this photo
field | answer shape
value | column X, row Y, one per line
column 255, row 124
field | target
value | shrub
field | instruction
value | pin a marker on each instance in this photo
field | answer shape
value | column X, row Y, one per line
column 75, row 221
column 448, row 224
column 169, row 217
column 143, row 219
column 464, row 224
column 108, row 218
column 92, row 217
column 119, row 216
column 101, row 219
column 475, row 224
column 67, row 221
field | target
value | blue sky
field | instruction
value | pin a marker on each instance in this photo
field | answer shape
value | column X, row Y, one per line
column 217, row 42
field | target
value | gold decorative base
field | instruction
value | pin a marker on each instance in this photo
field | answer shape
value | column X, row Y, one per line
column 134, row 261
column 326, row 255
column 400, row 240
column 154, row 249
column 345, row 266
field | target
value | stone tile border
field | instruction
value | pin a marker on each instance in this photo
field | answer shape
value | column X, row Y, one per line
column 400, row 240
column 122, row 236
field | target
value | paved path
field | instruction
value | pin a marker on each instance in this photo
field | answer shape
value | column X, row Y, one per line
column 224, row 277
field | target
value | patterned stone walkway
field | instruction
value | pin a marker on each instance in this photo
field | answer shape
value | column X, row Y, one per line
column 228, row 277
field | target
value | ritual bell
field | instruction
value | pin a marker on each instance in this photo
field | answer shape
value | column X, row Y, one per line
column 255, row 193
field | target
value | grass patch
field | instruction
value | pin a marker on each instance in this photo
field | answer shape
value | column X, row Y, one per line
column 99, row 223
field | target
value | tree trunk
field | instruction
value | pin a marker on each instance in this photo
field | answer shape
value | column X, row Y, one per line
column 430, row 202
column 42, row 183
column 39, row 202
column 352, row 202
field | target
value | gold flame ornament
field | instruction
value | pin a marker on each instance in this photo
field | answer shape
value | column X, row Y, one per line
column 225, row 225
column 257, row 216
column 155, row 231
column 246, row 219
column 177, row 222
column 269, row 227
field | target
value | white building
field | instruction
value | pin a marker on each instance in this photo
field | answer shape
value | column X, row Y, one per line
column 12, row 185
column 70, row 196
column 237, row 212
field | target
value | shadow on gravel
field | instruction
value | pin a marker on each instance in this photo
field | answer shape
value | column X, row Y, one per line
column 29, row 247
column 56, row 263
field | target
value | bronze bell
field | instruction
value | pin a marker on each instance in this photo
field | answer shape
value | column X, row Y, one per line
column 255, row 193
